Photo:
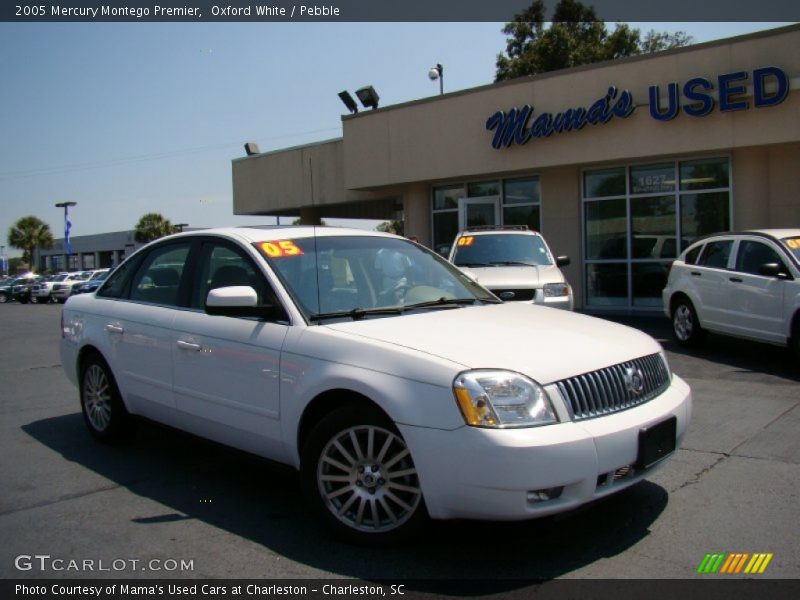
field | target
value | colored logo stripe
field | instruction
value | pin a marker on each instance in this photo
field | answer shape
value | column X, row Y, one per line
column 734, row 563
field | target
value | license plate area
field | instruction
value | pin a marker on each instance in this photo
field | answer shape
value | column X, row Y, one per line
column 656, row 442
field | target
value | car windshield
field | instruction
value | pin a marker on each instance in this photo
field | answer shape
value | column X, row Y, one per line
column 793, row 243
column 99, row 276
column 61, row 277
column 501, row 249
column 360, row 275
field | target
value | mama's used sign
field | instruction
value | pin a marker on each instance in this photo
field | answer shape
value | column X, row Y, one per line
column 700, row 97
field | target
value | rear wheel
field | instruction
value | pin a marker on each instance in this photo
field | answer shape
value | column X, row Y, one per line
column 360, row 477
column 685, row 324
column 103, row 411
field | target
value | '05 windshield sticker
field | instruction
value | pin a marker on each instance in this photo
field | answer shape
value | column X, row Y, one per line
column 280, row 249
column 793, row 243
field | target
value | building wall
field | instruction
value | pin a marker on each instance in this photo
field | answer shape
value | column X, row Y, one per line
column 445, row 137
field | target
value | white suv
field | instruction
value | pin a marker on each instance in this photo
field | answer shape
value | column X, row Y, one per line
column 742, row 284
column 514, row 263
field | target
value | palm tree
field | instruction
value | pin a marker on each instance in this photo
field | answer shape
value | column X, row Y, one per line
column 27, row 234
column 151, row 227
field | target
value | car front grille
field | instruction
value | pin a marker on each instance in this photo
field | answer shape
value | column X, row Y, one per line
column 616, row 388
column 519, row 295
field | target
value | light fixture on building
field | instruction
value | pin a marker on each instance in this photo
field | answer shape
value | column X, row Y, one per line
column 348, row 101
column 251, row 148
column 435, row 73
column 368, row 96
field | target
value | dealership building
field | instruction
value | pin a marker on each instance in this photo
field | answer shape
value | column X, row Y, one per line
column 619, row 164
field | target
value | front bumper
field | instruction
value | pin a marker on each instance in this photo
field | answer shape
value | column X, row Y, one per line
column 490, row 474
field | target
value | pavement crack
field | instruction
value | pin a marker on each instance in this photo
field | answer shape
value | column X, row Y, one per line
column 39, row 368
column 64, row 498
column 700, row 474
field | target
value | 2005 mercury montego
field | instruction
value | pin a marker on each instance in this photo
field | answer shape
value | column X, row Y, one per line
column 399, row 387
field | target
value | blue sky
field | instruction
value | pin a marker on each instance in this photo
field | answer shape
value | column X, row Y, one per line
column 129, row 118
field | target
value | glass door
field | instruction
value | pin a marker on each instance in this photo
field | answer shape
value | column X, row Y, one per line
column 477, row 212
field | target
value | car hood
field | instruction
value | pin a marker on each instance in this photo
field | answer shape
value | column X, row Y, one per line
column 543, row 343
column 511, row 277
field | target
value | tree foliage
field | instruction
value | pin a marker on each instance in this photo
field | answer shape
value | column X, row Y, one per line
column 29, row 233
column 151, row 227
column 574, row 37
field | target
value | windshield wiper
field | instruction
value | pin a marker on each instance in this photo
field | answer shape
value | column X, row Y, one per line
column 513, row 263
column 442, row 302
column 357, row 313
column 471, row 265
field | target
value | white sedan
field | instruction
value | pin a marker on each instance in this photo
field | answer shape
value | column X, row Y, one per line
column 399, row 387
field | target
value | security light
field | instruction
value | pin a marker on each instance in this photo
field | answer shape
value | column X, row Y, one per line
column 368, row 96
column 251, row 148
column 348, row 101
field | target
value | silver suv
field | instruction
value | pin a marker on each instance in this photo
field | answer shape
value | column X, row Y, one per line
column 741, row 284
column 515, row 263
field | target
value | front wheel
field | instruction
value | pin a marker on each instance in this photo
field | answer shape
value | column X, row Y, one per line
column 360, row 477
column 103, row 410
column 685, row 324
column 3, row 297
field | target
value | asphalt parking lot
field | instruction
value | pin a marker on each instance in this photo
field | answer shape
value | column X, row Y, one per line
column 734, row 486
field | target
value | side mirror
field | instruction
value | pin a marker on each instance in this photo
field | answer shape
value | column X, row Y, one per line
column 240, row 301
column 562, row 261
column 772, row 270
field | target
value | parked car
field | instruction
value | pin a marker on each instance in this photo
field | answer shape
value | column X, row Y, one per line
column 515, row 264
column 21, row 287
column 395, row 399
column 5, row 289
column 91, row 284
column 63, row 289
column 42, row 291
column 741, row 284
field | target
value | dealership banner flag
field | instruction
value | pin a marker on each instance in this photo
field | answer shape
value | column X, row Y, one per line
column 67, row 243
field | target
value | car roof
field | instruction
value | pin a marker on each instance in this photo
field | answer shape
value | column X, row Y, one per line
column 770, row 233
column 282, row 232
column 499, row 231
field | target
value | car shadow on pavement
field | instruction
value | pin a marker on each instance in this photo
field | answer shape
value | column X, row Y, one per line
column 739, row 359
column 261, row 502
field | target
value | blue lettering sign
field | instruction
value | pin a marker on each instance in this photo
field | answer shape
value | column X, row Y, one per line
column 705, row 103
column 760, row 98
column 727, row 90
column 672, row 103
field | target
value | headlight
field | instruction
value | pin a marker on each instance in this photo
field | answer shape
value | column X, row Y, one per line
column 499, row 399
column 556, row 290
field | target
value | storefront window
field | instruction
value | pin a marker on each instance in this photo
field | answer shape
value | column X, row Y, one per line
column 521, row 202
column 653, row 227
column 607, row 284
column 447, row 197
column 604, row 182
column 606, row 230
column 445, row 228
column 705, row 174
column 522, row 215
column 653, row 179
column 482, row 189
column 702, row 214
column 650, row 217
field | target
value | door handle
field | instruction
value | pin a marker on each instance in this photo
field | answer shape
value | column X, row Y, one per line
column 735, row 279
column 696, row 274
column 189, row 346
column 111, row 328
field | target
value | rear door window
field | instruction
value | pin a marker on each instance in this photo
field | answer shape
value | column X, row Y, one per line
column 716, row 254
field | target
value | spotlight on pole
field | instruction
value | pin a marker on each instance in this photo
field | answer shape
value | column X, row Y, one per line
column 435, row 73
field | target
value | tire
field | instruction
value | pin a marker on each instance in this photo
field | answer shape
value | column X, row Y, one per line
column 3, row 297
column 34, row 300
column 103, row 410
column 61, row 300
column 685, row 324
column 366, row 492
